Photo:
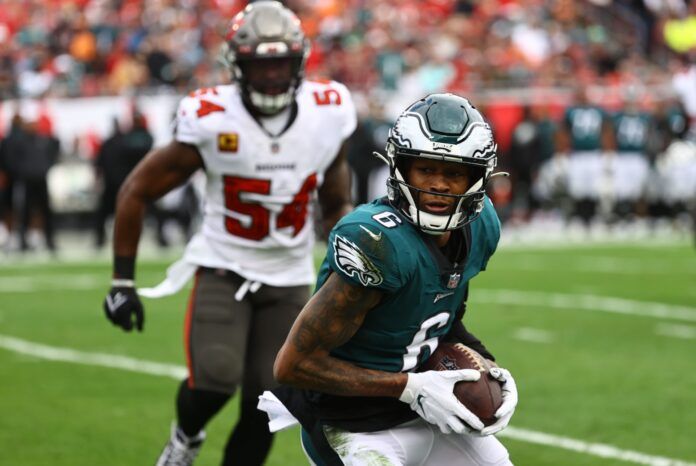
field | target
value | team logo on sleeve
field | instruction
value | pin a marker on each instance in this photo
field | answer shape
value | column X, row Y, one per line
column 354, row 263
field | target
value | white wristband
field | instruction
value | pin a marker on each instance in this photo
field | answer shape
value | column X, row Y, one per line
column 123, row 283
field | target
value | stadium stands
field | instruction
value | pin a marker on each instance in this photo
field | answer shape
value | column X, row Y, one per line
column 504, row 54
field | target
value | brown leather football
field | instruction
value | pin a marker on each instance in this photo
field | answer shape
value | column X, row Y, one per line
column 484, row 397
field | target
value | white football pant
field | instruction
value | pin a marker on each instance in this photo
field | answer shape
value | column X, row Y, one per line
column 415, row 443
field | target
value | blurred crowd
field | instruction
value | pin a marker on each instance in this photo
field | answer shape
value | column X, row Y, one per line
column 101, row 47
column 520, row 60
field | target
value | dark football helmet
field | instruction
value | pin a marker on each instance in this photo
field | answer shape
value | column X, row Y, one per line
column 266, row 30
column 442, row 127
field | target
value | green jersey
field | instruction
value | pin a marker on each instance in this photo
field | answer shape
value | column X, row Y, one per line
column 676, row 122
column 374, row 246
column 585, row 125
column 632, row 131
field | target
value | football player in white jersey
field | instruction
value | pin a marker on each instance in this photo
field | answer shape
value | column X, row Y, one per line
column 268, row 144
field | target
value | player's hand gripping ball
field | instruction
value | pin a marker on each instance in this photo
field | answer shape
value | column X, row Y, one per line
column 483, row 397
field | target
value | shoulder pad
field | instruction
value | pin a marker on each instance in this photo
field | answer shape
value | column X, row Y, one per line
column 365, row 251
column 187, row 128
column 195, row 108
column 336, row 102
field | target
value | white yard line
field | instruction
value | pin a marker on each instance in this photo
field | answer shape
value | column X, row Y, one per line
column 74, row 251
column 563, row 241
column 92, row 359
column 604, row 265
column 595, row 449
column 686, row 332
column 178, row 372
column 586, row 302
column 30, row 284
column 533, row 335
column 65, row 282
column 77, row 251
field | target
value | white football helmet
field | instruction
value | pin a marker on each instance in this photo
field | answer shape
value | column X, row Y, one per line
column 441, row 127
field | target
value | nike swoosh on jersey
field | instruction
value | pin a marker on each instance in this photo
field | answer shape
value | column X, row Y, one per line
column 374, row 236
column 440, row 296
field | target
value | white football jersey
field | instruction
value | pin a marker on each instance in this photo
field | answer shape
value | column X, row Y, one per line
column 258, row 214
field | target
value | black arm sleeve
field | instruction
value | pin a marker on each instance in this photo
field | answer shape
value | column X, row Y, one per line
column 459, row 334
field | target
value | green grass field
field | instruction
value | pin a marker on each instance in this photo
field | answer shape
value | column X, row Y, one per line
column 601, row 340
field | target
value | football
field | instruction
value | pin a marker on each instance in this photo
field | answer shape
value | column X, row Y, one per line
column 484, row 397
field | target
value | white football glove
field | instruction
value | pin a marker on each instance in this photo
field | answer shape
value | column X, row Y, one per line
column 431, row 395
column 506, row 409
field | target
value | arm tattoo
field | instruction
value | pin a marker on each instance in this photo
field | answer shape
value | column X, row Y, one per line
column 333, row 316
column 329, row 320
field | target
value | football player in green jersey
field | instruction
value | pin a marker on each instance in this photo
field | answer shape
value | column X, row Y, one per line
column 585, row 136
column 634, row 131
column 393, row 286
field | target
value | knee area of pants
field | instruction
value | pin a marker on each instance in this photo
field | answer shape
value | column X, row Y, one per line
column 357, row 453
column 370, row 457
column 219, row 367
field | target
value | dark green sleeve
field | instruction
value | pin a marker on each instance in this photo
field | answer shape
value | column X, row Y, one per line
column 359, row 258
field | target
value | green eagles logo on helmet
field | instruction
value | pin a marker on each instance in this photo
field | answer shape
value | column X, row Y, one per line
column 442, row 127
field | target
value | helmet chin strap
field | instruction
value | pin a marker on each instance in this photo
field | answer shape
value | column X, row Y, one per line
column 433, row 224
column 475, row 187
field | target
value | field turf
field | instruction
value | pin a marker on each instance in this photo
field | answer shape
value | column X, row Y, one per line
column 601, row 340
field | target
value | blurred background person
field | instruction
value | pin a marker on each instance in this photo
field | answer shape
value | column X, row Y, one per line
column 372, row 129
column 107, row 199
column 32, row 152
column 634, row 129
column 117, row 157
column 531, row 145
column 585, row 136
column 671, row 187
column 9, row 145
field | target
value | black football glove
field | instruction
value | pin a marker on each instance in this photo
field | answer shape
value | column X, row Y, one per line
column 121, row 305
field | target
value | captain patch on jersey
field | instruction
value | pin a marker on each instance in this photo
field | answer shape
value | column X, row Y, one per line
column 228, row 142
